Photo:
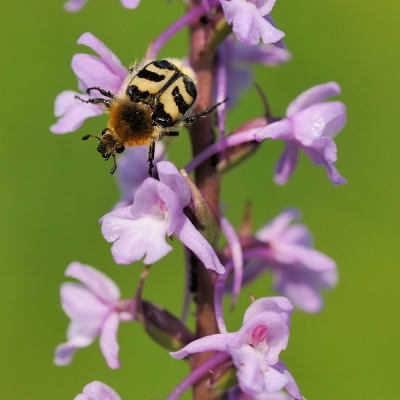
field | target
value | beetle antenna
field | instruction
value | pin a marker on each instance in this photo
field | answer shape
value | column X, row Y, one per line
column 86, row 137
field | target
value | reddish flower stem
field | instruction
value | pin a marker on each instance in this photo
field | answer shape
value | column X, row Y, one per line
column 208, row 182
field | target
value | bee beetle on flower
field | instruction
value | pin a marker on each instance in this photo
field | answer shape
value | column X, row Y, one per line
column 157, row 99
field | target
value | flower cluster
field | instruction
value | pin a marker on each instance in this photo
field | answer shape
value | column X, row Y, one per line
column 152, row 209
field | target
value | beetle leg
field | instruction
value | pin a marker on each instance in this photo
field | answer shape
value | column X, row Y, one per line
column 190, row 120
column 150, row 156
column 102, row 91
column 95, row 101
column 171, row 133
column 114, row 168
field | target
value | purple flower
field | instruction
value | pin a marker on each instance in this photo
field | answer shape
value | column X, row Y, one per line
column 255, row 347
column 139, row 230
column 76, row 5
column 133, row 170
column 98, row 391
column 95, row 309
column 310, row 126
column 105, row 71
column 250, row 20
column 299, row 270
column 237, row 394
column 238, row 58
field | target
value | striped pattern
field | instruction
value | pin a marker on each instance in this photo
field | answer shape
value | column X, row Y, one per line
column 168, row 91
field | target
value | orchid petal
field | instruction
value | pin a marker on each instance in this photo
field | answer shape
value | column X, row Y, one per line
column 286, row 163
column 277, row 334
column 74, row 5
column 266, row 54
column 108, row 340
column 94, row 72
column 133, row 170
column 323, row 119
column 217, row 342
column 247, row 23
column 147, row 200
column 274, row 380
column 280, row 305
column 194, row 240
column 170, row 176
column 323, row 152
column 249, row 364
column 104, row 52
column 64, row 353
column 100, row 284
column 85, row 310
column 97, row 391
column 298, row 234
column 173, row 204
column 237, row 257
column 294, row 254
column 237, row 394
column 301, row 286
column 254, row 374
column 264, row 7
column 135, row 238
column 277, row 130
column 314, row 95
column 278, row 225
column 130, row 3
column 73, row 113
column 291, row 386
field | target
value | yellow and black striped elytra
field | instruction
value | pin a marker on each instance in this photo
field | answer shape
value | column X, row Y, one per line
column 158, row 97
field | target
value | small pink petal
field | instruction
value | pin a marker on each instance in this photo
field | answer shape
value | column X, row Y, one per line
column 173, row 205
column 94, row 72
column 74, row 5
column 277, row 333
column 314, row 95
column 276, row 304
column 278, row 225
column 282, row 129
column 264, row 7
column 195, row 241
column 301, row 292
column 250, row 365
column 98, row 391
column 84, row 308
column 289, row 253
column 130, row 3
column 135, row 238
column 247, row 23
column 297, row 234
column 108, row 340
column 75, row 113
column 237, row 257
column 291, row 386
column 100, row 284
column 217, row 342
column 104, row 52
column 286, row 163
column 323, row 152
column 64, row 354
column 323, row 119
column 170, row 176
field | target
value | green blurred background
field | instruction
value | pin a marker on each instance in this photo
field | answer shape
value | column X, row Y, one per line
column 54, row 189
